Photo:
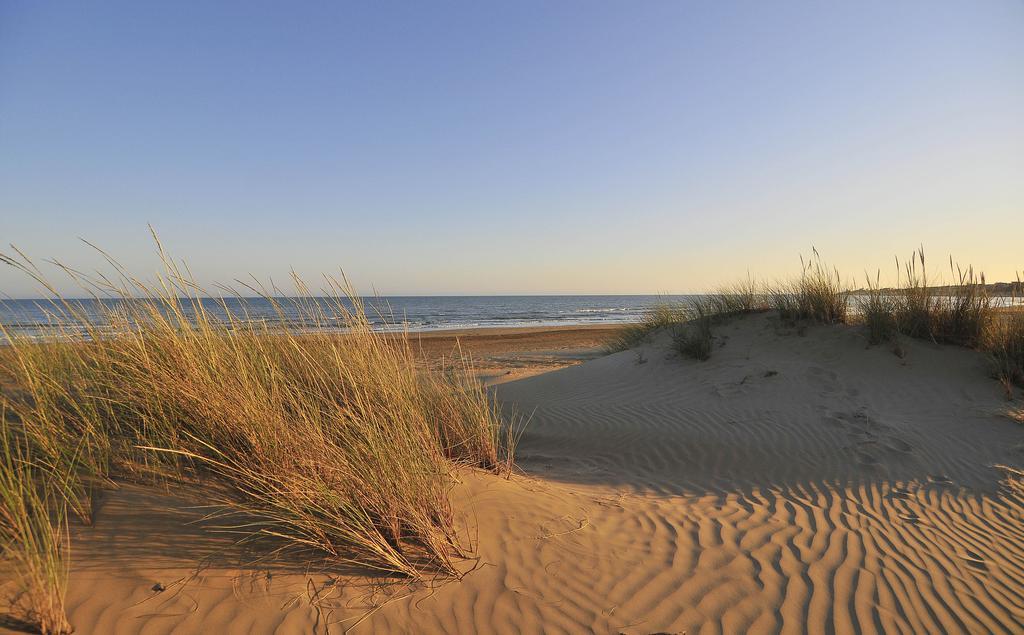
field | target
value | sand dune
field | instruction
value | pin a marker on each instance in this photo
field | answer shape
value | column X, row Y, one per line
column 791, row 483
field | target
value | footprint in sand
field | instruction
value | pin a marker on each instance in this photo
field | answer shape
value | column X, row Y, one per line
column 833, row 420
column 826, row 380
column 898, row 492
column 863, row 420
column 866, row 459
column 898, row 445
column 940, row 479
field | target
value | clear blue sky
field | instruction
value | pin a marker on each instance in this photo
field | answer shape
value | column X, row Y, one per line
column 487, row 147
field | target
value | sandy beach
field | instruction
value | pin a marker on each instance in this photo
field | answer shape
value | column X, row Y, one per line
column 614, row 318
column 505, row 354
column 798, row 481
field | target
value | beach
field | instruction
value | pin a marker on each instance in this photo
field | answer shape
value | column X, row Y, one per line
column 798, row 481
column 505, row 354
column 649, row 318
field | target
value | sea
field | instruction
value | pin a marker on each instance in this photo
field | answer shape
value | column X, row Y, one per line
column 35, row 318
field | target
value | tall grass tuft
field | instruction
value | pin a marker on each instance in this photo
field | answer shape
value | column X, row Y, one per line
column 660, row 316
column 1005, row 344
column 746, row 296
column 963, row 315
column 743, row 297
column 694, row 338
column 915, row 302
column 876, row 309
column 818, row 295
column 327, row 435
column 33, row 534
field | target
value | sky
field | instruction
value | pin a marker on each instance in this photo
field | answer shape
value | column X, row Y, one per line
column 513, row 147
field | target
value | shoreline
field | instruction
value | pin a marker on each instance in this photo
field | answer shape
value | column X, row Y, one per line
column 506, row 331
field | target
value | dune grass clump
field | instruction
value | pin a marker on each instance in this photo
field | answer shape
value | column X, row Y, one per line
column 33, row 535
column 727, row 301
column 877, row 311
column 694, row 338
column 964, row 314
column 660, row 316
column 818, row 295
column 1005, row 344
column 747, row 296
column 959, row 313
column 915, row 301
column 43, row 390
column 694, row 341
column 326, row 435
column 1006, row 348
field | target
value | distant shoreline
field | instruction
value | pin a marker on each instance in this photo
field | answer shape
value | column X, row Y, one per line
column 995, row 289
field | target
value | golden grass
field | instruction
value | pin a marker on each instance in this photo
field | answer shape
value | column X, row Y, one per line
column 961, row 313
column 964, row 315
column 694, row 339
column 914, row 302
column 336, row 442
column 877, row 311
column 1004, row 341
column 818, row 295
column 746, row 296
column 33, row 534
column 662, row 315
column 690, row 320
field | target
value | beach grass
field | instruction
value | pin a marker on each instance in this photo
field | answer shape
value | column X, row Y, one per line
column 326, row 435
column 690, row 320
column 662, row 315
column 961, row 313
column 33, row 534
column 1004, row 341
column 818, row 295
column 745, row 296
column 877, row 311
column 694, row 338
column 914, row 300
